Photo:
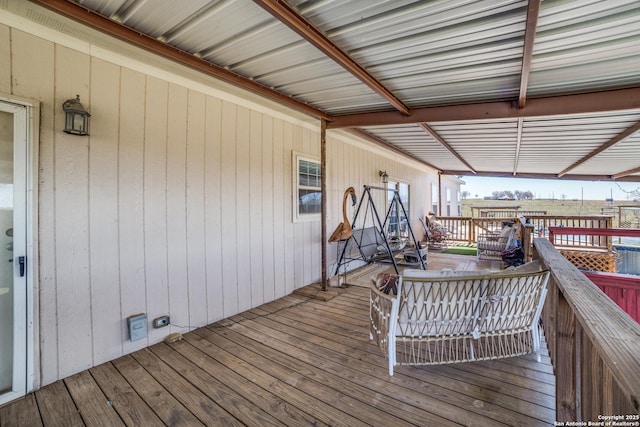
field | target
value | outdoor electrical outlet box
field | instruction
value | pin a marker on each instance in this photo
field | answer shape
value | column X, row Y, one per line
column 161, row 321
column 137, row 326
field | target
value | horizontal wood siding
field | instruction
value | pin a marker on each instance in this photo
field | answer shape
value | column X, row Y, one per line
column 178, row 202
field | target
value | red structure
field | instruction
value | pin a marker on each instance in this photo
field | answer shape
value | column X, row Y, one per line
column 623, row 289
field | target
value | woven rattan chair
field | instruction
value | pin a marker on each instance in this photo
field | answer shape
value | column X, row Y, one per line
column 460, row 316
column 436, row 235
column 490, row 245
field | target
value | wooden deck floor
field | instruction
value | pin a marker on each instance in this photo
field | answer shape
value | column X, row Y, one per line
column 296, row 361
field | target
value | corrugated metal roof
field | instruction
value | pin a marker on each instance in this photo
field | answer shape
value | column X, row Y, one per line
column 585, row 44
column 430, row 53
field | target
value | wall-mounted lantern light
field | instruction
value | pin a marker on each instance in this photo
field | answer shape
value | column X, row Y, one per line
column 385, row 177
column 76, row 118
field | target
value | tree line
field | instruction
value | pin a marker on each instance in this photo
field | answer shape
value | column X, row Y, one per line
column 505, row 195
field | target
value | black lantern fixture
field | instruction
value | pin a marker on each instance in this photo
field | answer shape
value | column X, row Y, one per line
column 76, row 118
column 385, row 177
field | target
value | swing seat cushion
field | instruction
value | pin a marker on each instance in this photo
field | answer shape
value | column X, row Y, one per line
column 368, row 239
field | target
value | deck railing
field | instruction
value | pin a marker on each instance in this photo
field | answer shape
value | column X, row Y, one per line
column 593, row 344
column 595, row 237
column 465, row 229
column 459, row 228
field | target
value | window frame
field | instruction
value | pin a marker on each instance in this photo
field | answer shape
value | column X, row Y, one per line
column 392, row 184
column 435, row 199
column 298, row 216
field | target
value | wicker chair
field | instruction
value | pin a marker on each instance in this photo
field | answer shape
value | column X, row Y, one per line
column 436, row 235
column 490, row 245
column 460, row 316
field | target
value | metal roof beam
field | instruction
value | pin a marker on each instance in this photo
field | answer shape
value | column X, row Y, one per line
column 516, row 157
column 288, row 16
column 99, row 22
column 549, row 176
column 446, row 145
column 625, row 173
column 629, row 131
column 533, row 11
column 611, row 100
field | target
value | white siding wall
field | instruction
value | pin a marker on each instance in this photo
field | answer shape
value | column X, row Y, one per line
column 179, row 202
column 451, row 186
column 353, row 164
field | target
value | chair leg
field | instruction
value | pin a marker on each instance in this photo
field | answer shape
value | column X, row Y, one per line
column 392, row 354
column 535, row 332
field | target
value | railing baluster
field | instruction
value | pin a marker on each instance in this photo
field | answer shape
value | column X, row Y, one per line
column 566, row 365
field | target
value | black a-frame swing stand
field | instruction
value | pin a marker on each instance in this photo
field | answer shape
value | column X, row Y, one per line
column 372, row 240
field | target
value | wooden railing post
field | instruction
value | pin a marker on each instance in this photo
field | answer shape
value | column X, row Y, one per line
column 527, row 238
column 472, row 231
column 566, row 365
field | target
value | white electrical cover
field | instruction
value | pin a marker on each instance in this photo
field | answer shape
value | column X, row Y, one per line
column 137, row 326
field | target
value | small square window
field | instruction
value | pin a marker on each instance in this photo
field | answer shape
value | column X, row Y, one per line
column 307, row 206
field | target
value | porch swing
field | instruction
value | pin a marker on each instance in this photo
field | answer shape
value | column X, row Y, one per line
column 380, row 241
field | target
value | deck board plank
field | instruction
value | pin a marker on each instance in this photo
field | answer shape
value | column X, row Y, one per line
column 242, row 399
column 57, row 407
column 127, row 403
column 352, row 358
column 314, row 390
column 165, row 406
column 198, row 403
column 93, row 405
column 450, row 371
column 380, row 407
column 21, row 413
column 318, row 409
column 297, row 361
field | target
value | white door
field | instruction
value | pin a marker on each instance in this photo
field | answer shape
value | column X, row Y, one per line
column 13, row 246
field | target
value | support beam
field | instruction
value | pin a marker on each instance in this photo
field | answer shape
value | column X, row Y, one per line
column 593, row 102
column 628, row 132
column 502, row 174
column 518, row 145
column 625, row 173
column 440, row 199
column 323, row 200
column 446, row 145
column 533, row 11
column 288, row 16
column 101, row 23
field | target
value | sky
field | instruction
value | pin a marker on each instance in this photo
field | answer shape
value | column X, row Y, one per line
column 548, row 189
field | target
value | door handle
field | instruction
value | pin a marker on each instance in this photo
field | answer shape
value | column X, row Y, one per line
column 21, row 263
